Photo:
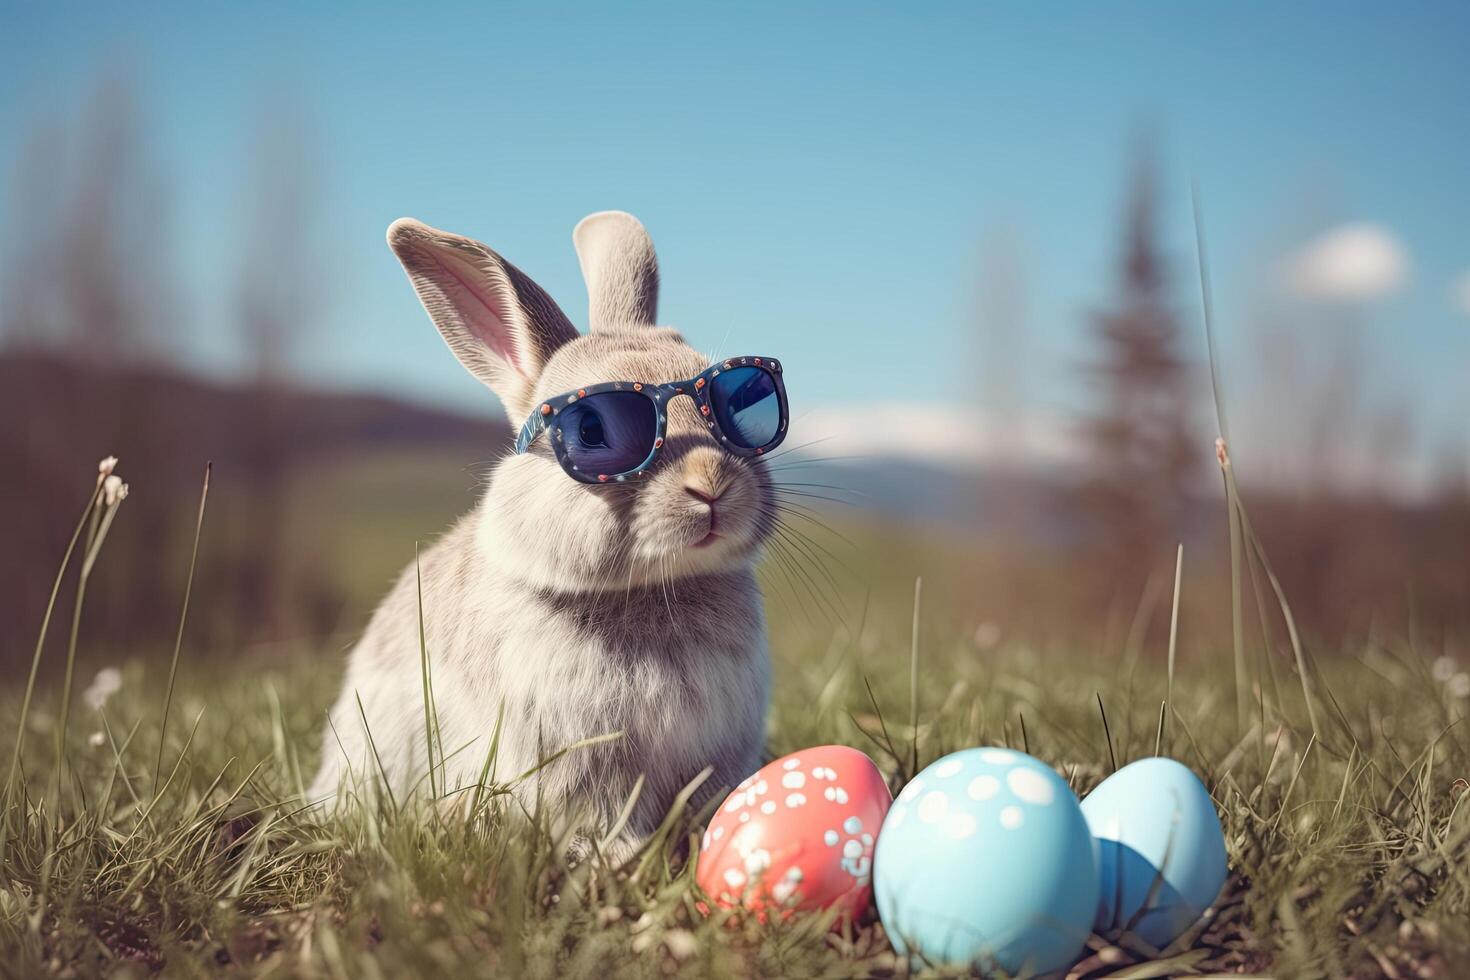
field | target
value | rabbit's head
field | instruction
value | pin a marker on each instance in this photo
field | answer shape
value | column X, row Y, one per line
column 699, row 510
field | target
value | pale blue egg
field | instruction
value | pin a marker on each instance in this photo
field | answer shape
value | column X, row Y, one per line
column 985, row 859
column 1154, row 821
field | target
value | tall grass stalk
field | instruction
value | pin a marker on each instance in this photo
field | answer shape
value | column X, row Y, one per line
column 431, row 713
column 25, row 705
column 173, row 668
column 1173, row 632
column 96, row 536
column 914, row 676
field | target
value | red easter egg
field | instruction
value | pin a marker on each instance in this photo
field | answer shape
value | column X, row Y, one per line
column 799, row 834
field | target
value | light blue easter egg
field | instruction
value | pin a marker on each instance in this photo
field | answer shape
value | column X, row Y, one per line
column 985, row 860
column 1154, row 820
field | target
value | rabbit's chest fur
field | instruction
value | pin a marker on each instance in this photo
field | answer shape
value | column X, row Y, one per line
column 684, row 682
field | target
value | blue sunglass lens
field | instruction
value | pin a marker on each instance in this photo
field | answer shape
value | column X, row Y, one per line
column 611, row 432
column 746, row 406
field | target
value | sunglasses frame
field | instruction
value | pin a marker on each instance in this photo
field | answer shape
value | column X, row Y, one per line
column 547, row 417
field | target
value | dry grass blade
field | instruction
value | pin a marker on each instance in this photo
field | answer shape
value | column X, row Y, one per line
column 173, row 667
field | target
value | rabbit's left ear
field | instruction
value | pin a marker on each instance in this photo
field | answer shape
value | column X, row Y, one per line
column 501, row 325
column 621, row 270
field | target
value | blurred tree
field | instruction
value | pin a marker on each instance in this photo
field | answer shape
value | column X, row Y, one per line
column 31, row 313
column 278, row 301
column 116, row 287
column 1144, row 444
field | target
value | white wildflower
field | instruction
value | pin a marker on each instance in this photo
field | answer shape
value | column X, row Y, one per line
column 681, row 943
column 1459, row 685
column 105, row 468
column 114, row 490
column 96, row 740
column 107, row 683
column 1443, row 669
column 987, row 635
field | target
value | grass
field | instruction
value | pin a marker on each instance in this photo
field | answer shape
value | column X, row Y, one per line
column 184, row 846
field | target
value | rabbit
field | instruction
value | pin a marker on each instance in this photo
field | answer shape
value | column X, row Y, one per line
column 576, row 610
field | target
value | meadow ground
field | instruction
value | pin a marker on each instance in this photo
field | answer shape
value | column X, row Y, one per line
column 130, row 848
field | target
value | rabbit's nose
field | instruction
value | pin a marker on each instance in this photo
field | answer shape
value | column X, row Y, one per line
column 707, row 478
column 700, row 494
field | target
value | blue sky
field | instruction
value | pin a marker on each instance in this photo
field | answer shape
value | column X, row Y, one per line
column 820, row 179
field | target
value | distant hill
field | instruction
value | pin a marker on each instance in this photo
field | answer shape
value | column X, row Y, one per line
column 319, row 498
column 60, row 417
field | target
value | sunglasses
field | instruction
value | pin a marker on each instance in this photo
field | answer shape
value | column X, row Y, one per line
column 615, row 430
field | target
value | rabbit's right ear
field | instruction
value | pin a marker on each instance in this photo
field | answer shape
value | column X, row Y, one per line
column 621, row 270
column 501, row 325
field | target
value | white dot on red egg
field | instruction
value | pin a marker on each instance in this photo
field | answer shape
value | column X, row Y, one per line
column 983, row 787
column 852, row 849
column 793, row 780
column 852, row 825
column 1031, row 786
column 734, row 878
column 1011, row 817
column 768, row 807
column 830, row 793
column 933, row 807
column 867, row 840
column 841, row 795
column 745, row 818
column 719, row 832
column 790, row 764
column 831, row 838
column 795, row 799
column 761, row 788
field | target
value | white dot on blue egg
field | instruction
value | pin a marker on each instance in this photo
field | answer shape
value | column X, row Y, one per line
column 1031, row 786
column 948, row 768
column 983, row 787
column 933, row 807
column 852, row 825
column 998, row 757
column 959, row 825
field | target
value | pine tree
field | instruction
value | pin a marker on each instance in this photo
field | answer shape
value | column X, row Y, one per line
column 1142, row 435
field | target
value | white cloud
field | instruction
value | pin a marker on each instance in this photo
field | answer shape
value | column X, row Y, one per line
column 958, row 436
column 1460, row 293
column 1349, row 263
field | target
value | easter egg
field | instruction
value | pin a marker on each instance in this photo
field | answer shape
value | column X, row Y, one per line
column 798, row 834
column 1154, row 820
column 985, row 861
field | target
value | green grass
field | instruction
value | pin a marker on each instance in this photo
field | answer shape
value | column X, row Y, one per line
column 183, row 846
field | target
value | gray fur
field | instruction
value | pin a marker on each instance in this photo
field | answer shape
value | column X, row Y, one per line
column 582, row 610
